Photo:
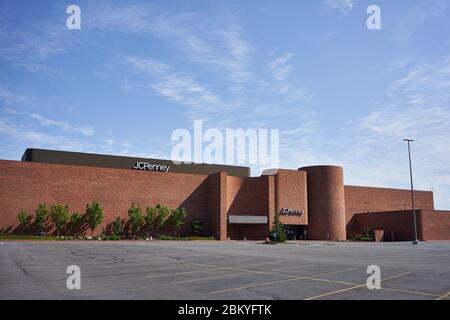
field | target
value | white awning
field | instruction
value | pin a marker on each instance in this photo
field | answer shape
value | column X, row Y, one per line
column 247, row 219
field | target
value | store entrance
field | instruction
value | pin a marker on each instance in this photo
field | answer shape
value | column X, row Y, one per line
column 295, row 232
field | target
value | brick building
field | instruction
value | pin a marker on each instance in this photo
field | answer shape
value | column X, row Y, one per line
column 313, row 202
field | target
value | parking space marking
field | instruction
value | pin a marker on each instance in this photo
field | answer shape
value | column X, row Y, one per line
column 281, row 281
column 290, row 277
column 233, row 260
column 257, row 264
column 240, row 268
column 410, row 291
column 178, row 273
column 212, row 268
column 211, row 278
column 353, row 287
column 125, row 265
column 295, row 267
column 444, row 296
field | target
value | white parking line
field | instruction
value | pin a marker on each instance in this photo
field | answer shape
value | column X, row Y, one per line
column 444, row 296
column 354, row 287
column 281, row 281
column 210, row 278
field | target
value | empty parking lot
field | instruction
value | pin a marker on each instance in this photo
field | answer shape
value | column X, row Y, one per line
column 223, row 270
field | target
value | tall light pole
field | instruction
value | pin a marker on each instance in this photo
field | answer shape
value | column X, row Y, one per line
column 416, row 241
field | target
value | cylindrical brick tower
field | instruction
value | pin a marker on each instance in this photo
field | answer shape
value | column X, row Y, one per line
column 326, row 203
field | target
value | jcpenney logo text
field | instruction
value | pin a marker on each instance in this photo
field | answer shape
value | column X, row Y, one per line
column 140, row 165
column 291, row 212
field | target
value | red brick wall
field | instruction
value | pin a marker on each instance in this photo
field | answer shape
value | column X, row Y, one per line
column 217, row 200
column 326, row 203
column 248, row 196
column 431, row 225
column 397, row 225
column 435, row 225
column 291, row 193
column 364, row 199
column 23, row 185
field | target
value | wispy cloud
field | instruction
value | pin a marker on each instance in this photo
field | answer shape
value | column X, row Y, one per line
column 12, row 97
column 175, row 86
column 31, row 49
column 16, row 104
column 87, row 131
column 279, row 67
column 344, row 6
column 33, row 137
column 198, row 38
column 407, row 25
column 417, row 106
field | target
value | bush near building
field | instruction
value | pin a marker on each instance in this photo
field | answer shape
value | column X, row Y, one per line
column 59, row 215
column 117, row 227
column 197, row 226
column 277, row 234
column 136, row 219
column 177, row 219
column 24, row 218
column 75, row 224
column 366, row 236
column 41, row 218
column 94, row 215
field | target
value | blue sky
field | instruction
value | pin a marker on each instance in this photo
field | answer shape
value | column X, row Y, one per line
column 339, row 93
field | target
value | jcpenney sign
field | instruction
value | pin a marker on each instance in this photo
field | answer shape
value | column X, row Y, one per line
column 291, row 212
column 140, row 165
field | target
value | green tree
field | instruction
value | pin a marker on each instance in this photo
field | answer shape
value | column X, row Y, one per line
column 59, row 215
column 41, row 217
column 117, row 226
column 76, row 220
column 177, row 218
column 136, row 218
column 197, row 226
column 24, row 218
column 163, row 214
column 151, row 220
column 277, row 233
column 94, row 215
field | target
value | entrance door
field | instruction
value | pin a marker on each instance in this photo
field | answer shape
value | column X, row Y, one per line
column 294, row 232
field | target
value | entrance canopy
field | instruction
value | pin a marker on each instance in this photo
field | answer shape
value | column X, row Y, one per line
column 235, row 219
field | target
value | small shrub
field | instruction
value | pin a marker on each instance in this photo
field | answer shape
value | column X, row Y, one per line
column 41, row 217
column 136, row 218
column 277, row 233
column 177, row 218
column 111, row 237
column 362, row 238
column 59, row 215
column 202, row 238
column 24, row 218
column 94, row 215
column 151, row 220
column 75, row 222
column 163, row 237
column 117, row 227
column 197, row 226
column 163, row 215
